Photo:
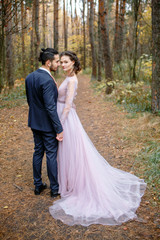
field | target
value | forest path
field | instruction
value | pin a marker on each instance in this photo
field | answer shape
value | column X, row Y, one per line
column 25, row 216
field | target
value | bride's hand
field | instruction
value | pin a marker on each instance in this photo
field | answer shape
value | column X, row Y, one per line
column 59, row 137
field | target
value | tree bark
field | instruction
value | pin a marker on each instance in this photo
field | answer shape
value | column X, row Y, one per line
column 16, row 16
column 84, row 37
column 156, row 56
column 32, row 39
column 64, row 25
column 44, row 24
column 76, row 19
column 99, row 48
column 91, row 33
column 72, row 22
column 106, row 44
column 22, row 39
column 119, row 30
column 116, row 31
column 2, row 47
column 136, row 9
column 37, row 39
column 56, row 24
column 9, row 49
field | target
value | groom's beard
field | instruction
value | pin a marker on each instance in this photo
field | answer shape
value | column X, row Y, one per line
column 53, row 69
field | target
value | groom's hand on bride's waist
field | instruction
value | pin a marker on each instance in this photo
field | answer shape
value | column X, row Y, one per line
column 59, row 136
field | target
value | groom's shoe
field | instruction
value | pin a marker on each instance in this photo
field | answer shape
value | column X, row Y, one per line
column 38, row 190
column 54, row 194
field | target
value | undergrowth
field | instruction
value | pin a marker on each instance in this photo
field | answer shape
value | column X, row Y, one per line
column 150, row 155
column 134, row 97
column 13, row 97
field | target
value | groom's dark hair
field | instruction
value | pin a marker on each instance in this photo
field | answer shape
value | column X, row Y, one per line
column 47, row 54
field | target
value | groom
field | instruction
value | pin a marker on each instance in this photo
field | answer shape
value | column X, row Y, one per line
column 42, row 93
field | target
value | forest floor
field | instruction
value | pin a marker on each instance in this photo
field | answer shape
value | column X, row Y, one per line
column 24, row 216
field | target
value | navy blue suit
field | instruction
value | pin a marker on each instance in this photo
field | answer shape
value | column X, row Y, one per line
column 43, row 119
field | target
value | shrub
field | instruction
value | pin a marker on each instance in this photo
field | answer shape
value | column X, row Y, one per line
column 134, row 97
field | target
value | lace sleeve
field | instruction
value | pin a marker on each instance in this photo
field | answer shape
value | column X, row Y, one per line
column 71, row 88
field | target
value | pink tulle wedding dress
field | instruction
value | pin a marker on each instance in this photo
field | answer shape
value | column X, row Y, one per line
column 92, row 191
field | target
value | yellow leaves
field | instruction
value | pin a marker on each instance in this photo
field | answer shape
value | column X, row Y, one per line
column 6, row 207
column 12, row 117
column 110, row 83
column 145, row 28
column 30, row 29
column 19, row 175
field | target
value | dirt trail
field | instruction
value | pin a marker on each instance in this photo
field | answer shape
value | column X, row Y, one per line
column 24, row 216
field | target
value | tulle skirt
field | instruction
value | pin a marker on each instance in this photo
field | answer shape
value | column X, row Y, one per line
column 92, row 191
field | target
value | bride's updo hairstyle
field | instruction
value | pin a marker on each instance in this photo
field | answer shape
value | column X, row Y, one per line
column 73, row 57
column 47, row 54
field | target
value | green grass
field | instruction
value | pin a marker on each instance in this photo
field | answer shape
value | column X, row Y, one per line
column 150, row 157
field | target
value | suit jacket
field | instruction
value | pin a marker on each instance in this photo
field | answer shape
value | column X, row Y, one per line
column 42, row 95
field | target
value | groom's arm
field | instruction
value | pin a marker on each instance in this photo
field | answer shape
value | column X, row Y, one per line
column 50, row 102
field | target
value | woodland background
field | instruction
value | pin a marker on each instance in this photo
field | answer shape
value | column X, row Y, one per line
column 118, row 102
column 117, row 42
column 113, row 39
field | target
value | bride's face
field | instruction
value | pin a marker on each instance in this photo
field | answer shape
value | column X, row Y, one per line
column 67, row 64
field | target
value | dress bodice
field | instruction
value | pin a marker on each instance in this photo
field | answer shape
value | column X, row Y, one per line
column 66, row 95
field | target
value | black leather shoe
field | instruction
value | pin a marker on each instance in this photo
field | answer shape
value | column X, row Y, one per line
column 54, row 194
column 38, row 190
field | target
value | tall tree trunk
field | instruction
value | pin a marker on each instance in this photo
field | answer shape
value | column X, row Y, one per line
column 91, row 33
column 16, row 16
column 119, row 29
column 56, row 24
column 88, row 50
column 136, row 9
column 2, row 47
column 64, row 25
column 44, row 24
column 47, row 20
column 72, row 22
column 9, row 48
column 99, row 48
column 32, row 39
column 116, row 31
column 84, row 36
column 37, row 40
column 76, row 18
column 22, row 39
column 106, row 44
column 156, row 56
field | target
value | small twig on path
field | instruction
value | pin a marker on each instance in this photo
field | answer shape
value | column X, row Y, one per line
column 20, row 188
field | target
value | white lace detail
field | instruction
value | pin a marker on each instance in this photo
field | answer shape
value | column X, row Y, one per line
column 71, row 90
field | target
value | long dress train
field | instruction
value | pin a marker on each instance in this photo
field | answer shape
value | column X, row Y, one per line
column 92, row 191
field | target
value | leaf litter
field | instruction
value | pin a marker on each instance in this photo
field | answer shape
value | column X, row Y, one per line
column 117, row 138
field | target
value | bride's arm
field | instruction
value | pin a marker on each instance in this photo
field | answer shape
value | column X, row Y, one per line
column 71, row 88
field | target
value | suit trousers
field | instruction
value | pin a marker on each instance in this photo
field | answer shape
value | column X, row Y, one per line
column 45, row 142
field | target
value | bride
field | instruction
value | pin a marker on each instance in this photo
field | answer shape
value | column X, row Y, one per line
column 92, row 191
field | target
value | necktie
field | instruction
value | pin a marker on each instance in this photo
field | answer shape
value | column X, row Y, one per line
column 55, row 82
